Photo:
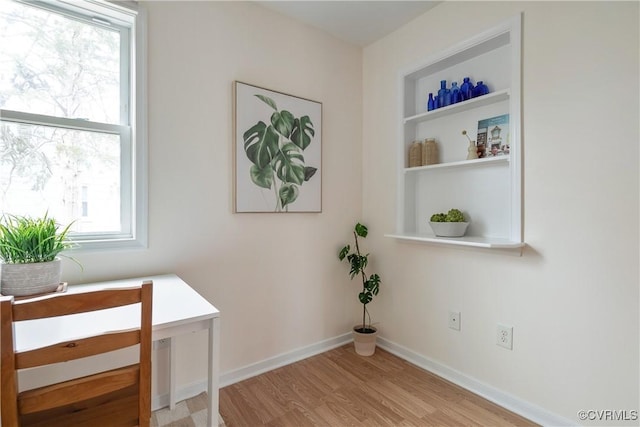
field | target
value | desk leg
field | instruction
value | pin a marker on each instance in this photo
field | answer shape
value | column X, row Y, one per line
column 172, row 374
column 214, row 367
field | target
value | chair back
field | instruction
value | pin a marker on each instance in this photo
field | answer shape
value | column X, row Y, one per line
column 117, row 397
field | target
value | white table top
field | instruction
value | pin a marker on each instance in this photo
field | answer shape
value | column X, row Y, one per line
column 174, row 304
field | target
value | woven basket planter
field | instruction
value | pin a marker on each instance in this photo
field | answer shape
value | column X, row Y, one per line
column 30, row 279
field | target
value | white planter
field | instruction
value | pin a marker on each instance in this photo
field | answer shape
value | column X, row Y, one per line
column 30, row 279
column 365, row 344
column 449, row 229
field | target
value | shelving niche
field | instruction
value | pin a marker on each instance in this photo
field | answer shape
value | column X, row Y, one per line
column 487, row 190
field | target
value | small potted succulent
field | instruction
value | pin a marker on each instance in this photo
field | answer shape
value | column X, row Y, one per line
column 451, row 224
column 364, row 335
column 29, row 249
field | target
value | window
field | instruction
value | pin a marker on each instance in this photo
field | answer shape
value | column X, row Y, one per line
column 72, row 125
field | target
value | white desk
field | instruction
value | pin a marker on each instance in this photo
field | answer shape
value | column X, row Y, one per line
column 177, row 310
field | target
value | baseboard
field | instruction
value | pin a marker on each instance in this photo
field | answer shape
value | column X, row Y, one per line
column 514, row 404
column 283, row 359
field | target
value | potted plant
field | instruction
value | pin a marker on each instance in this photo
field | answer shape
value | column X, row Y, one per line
column 451, row 224
column 29, row 249
column 364, row 335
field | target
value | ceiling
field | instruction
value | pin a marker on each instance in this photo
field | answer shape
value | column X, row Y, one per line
column 358, row 22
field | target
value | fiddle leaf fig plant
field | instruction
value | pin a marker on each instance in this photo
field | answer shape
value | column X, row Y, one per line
column 275, row 149
column 358, row 263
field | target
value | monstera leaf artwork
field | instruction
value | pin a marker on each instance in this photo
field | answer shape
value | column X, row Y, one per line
column 280, row 147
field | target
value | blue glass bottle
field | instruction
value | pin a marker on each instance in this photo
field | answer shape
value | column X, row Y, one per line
column 455, row 93
column 466, row 89
column 480, row 89
column 435, row 102
column 430, row 104
column 442, row 93
column 485, row 88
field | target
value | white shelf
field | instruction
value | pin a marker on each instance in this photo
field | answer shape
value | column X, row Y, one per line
column 470, row 241
column 488, row 190
column 459, row 164
column 481, row 101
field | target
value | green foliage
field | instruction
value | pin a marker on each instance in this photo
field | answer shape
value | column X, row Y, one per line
column 276, row 153
column 289, row 164
column 358, row 263
column 361, row 230
column 438, row 217
column 454, row 215
column 261, row 144
column 268, row 101
column 262, row 177
column 302, row 132
column 27, row 240
column 288, row 193
column 309, row 171
column 283, row 122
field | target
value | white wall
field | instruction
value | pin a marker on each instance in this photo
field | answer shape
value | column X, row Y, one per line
column 274, row 277
column 572, row 298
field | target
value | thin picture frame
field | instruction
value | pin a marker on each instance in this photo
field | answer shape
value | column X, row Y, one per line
column 277, row 151
column 494, row 133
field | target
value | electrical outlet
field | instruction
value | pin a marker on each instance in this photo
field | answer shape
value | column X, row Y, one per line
column 504, row 337
column 454, row 320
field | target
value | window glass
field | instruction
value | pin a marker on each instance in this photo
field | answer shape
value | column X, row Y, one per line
column 72, row 174
column 71, row 142
column 58, row 65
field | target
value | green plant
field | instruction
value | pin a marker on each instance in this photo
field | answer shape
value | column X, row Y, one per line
column 26, row 240
column 276, row 153
column 454, row 215
column 370, row 284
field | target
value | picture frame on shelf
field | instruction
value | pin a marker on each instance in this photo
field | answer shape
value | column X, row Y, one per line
column 278, row 151
column 493, row 132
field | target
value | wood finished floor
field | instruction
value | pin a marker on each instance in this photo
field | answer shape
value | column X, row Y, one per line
column 340, row 388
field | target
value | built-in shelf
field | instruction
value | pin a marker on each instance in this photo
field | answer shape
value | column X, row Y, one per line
column 460, row 164
column 471, row 241
column 480, row 101
column 487, row 190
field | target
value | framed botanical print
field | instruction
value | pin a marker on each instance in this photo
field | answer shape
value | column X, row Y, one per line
column 278, row 151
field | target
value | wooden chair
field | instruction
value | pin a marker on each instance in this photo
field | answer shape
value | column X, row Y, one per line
column 118, row 397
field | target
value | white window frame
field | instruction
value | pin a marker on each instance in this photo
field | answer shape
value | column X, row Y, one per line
column 130, row 18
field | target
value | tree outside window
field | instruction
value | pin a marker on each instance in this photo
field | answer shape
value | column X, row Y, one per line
column 65, row 126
